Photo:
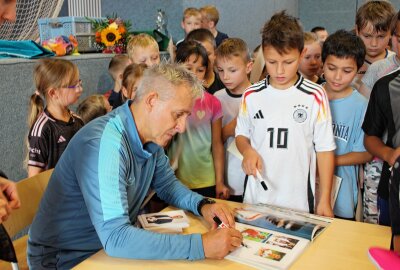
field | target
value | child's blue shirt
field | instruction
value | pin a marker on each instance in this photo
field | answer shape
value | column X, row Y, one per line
column 347, row 118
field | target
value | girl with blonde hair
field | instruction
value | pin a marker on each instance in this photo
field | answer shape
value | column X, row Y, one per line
column 50, row 121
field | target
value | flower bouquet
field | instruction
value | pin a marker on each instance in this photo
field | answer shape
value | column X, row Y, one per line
column 112, row 34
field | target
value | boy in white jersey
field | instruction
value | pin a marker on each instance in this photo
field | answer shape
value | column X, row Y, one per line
column 284, row 126
column 234, row 65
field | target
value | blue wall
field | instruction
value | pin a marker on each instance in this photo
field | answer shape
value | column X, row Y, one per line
column 332, row 14
column 238, row 18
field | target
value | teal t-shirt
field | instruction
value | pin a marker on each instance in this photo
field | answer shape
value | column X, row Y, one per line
column 347, row 118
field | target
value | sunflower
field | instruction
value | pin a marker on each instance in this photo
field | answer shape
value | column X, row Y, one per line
column 110, row 36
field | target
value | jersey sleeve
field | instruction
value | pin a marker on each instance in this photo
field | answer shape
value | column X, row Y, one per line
column 370, row 77
column 375, row 121
column 38, row 148
column 323, row 131
column 243, row 123
column 104, row 188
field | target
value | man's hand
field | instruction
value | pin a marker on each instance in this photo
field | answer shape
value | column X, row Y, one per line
column 218, row 243
column 252, row 162
column 221, row 210
column 222, row 191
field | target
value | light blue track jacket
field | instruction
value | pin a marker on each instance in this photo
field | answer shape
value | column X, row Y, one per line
column 95, row 192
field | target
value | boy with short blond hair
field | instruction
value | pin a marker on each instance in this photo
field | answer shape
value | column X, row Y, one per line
column 191, row 20
column 209, row 20
column 284, row 126
column 143, row 49
column 343, row 54
column 212, row 82
column 116, row 69
column 373, row 20
column 234, row 64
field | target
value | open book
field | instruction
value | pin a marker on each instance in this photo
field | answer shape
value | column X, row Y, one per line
column 273, row 236
column 164, row 222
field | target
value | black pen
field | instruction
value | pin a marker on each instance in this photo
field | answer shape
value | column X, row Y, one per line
column 261, row 179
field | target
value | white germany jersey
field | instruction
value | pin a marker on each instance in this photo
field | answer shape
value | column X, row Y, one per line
column 286, row 127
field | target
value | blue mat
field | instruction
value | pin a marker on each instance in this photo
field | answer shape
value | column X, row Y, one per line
column 23, row 49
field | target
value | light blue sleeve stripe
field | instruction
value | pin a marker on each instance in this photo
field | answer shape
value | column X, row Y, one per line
column 108, row 169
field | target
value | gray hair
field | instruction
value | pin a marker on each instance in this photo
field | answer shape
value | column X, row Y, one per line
column 161, row 78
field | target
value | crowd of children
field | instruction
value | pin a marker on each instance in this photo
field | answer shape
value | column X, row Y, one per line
column 307, row 121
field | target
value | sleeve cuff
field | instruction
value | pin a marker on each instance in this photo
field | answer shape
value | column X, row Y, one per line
column 196, row 248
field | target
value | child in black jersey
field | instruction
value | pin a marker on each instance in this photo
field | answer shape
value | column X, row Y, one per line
column 52, row 126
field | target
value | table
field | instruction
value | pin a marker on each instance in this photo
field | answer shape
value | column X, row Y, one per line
column 343, row 245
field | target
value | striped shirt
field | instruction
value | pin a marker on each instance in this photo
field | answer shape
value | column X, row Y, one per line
column 286, row 127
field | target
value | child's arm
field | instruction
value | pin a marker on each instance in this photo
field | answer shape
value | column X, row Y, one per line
column 325, row 161
column 32, row 171
column 218, row 154
column 229, row 130
column 352, row 158
column 251, row 159
column 376, row 147
column 364, row 90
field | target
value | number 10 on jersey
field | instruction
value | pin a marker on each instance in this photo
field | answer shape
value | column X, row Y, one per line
column 278, row 137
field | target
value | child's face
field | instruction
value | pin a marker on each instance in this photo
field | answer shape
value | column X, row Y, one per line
column 322, row 35
column 339, row 73
column 191, row 23
column 195, row 64
column 149, row 56
column 205, row 23
column 375, row 42
column 282, row 68
column 210, row 52
column 69, row 95
column 233, row 72
column 311, row 62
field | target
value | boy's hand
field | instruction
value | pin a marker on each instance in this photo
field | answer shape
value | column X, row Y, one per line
column 324, row 209
column 252, row 162
column 222, row 191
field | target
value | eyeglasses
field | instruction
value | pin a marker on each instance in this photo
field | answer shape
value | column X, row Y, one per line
column 79, row 84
